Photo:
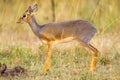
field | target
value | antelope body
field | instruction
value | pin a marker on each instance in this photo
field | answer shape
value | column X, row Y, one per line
column 80, row 30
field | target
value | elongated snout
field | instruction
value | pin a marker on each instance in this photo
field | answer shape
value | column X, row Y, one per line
column 19, row 21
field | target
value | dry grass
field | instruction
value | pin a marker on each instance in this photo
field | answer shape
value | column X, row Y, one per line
column 18, row 44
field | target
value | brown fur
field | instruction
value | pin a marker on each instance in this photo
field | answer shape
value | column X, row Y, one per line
column 80, row 30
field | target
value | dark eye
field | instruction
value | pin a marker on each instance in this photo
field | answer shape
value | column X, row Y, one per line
column 24, row 16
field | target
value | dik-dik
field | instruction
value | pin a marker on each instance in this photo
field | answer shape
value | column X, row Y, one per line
column 79, row 30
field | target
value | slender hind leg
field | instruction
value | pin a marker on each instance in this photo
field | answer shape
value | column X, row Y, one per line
column 94, row 56
column 47, row 64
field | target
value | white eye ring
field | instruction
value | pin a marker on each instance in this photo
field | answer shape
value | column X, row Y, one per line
column 24, row 15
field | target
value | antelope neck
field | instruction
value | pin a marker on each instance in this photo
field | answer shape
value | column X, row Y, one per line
column 34, row 25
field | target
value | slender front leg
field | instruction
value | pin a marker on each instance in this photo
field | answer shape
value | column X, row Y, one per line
column 47, row 64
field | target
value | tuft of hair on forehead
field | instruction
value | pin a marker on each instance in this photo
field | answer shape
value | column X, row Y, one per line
column 33, row 8
column 30, row 9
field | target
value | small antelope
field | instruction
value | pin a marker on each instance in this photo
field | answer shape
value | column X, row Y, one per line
column 79, row 30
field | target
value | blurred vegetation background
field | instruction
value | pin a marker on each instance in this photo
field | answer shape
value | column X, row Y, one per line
column 104, row 14
column 18, row 43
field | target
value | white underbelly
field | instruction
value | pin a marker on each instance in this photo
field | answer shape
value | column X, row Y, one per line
column 59, row 40
column 64, row 40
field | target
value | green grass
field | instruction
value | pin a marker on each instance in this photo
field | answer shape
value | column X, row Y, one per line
column 19, row 46
column 66, row 64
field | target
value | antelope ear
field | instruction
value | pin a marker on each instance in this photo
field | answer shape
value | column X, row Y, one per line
column 35, row 8
column 29, row 8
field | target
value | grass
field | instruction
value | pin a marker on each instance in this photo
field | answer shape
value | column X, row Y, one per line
column 70, row 61
column 68, row 64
